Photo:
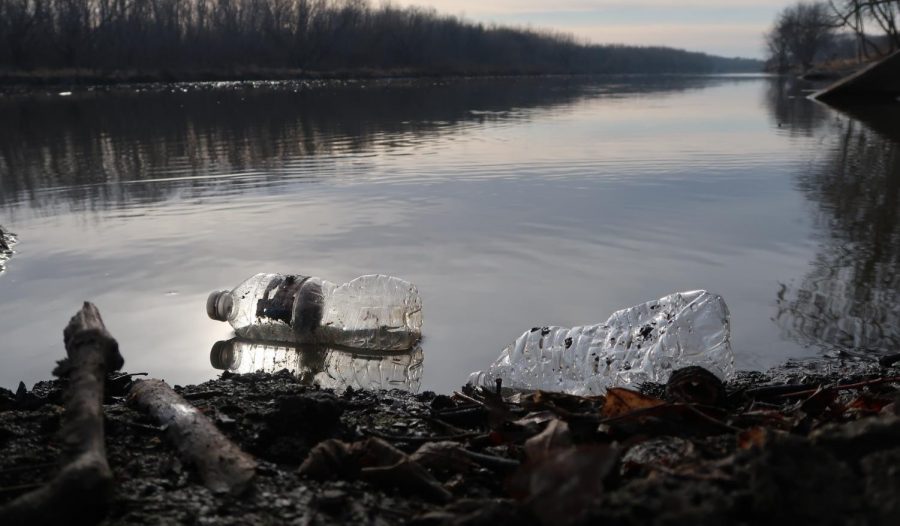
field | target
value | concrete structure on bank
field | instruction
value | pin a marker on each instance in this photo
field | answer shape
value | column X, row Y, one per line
column 878, row 80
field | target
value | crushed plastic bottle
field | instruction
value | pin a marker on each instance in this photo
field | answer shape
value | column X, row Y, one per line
column 370, row 312
column 330, row 368
column 644, row 343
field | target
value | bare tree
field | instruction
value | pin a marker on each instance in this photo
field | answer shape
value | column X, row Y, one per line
column 777, row 47
column 864, row 16
column 803, row 33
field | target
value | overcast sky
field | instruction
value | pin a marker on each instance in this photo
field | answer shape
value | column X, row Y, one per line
column 723, row 27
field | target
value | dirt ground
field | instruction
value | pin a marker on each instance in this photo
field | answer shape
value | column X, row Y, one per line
column 806, row 443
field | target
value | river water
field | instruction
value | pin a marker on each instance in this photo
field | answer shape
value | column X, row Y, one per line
column 511, row 203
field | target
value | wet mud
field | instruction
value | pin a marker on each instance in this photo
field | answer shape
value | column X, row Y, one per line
column 814, row 442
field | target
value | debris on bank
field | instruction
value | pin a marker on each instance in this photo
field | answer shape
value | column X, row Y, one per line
column 881, row 79
column 7, row 240
column 807, row 442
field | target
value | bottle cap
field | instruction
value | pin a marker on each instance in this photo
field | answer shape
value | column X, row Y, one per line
column 219, row 304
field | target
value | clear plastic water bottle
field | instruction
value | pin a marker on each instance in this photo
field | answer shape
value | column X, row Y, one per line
column 330, row 368
column 640, row 344
column 370, row 312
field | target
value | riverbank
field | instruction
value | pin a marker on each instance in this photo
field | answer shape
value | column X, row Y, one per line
column 756, row 450
column 90, row 77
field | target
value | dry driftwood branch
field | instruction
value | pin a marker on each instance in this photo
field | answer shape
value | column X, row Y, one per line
column 80, row 491
column 223, row 467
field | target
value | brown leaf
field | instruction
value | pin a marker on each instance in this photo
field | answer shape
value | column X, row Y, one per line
column 753, row 437
column 444, row 456
column 621, row 401
column 667, row 419
column 555, row 436
column 374, row 461
column 869, row 404
column 330, row 459
column 377, row 452
column 769, row 418
column 546, row 399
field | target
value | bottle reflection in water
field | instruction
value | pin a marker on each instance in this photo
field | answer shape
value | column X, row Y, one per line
column 328, row 367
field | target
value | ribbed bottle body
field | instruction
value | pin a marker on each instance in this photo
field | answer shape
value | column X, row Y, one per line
column 644, row 343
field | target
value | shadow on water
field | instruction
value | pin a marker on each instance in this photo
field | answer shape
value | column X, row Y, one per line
column 329, row 368
column 850, row 299
column 112, row 148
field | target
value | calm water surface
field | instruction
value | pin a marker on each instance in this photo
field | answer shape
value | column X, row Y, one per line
column 510, row 203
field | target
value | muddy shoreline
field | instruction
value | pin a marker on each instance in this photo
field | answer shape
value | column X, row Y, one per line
column 749, row 452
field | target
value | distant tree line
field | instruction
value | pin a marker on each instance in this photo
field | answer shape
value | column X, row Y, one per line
column 310, row 35
column 806, row 33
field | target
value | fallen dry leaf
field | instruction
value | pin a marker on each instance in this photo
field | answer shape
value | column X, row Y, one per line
column 444, row 456
column 753, row 437
column 621, row 401
column 869, row 404
column 555, row 436
column 375, row 461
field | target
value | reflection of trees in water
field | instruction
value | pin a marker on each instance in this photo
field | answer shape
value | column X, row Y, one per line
column 88, row 145
column 786, row 98
column 851, row 297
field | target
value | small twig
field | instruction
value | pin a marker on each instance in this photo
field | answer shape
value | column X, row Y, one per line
column 772, row 391
column 694, row 476
column 126, row 375
column 694, row 409
column 21, row 487
column 29, row 467
column 137, row 426
column 422, row 439
column 202, row 395
column 445, row 425
column 467, row 398
column 844, row 387
column 491, row 460
column 649, row 411
column 569, row 416
column 460, row 411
